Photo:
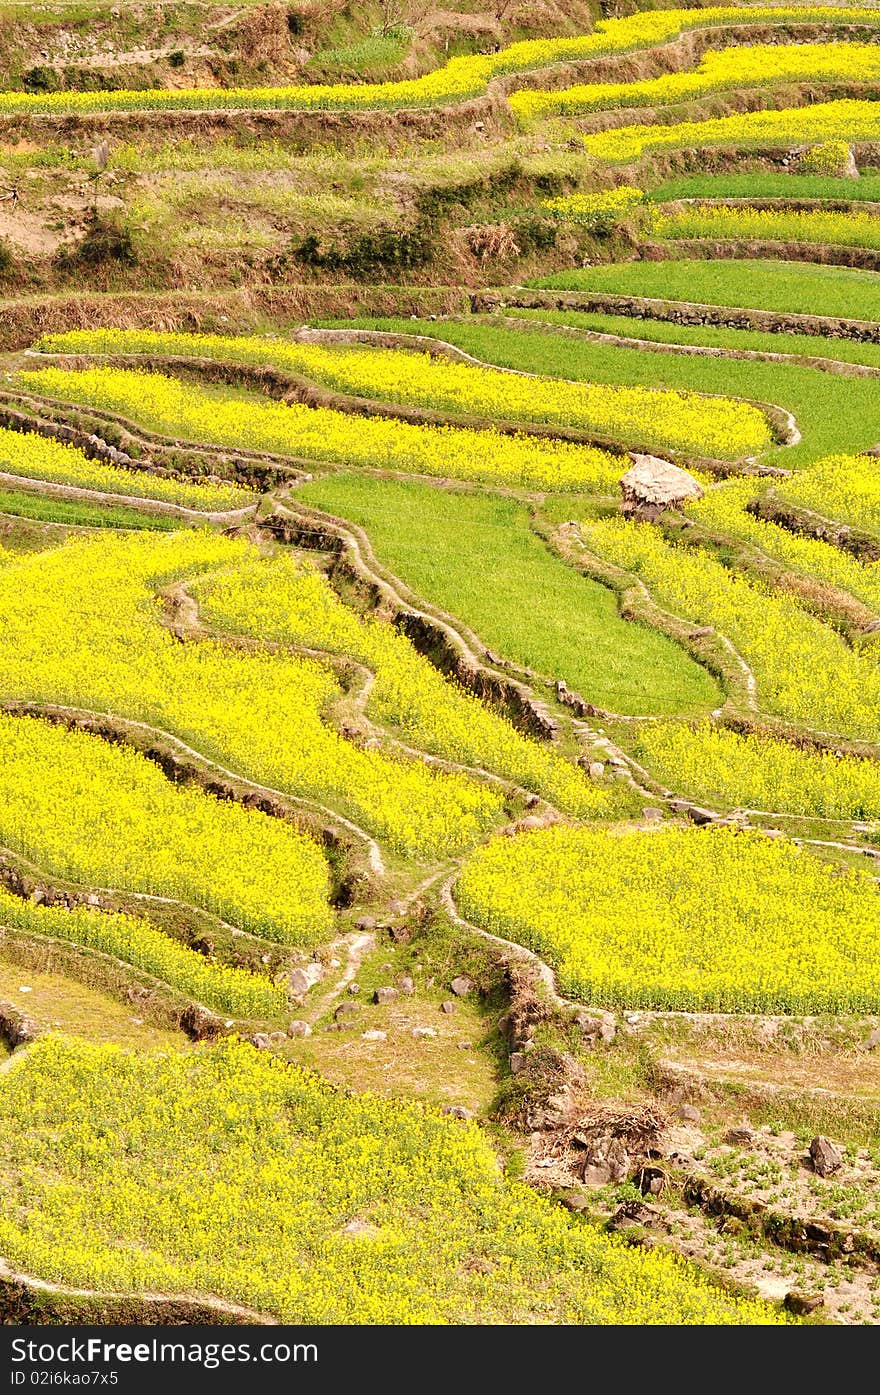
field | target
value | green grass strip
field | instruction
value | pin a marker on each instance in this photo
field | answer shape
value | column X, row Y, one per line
column 477, row 558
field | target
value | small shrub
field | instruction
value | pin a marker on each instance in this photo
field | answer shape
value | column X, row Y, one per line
column 41, row 79
column 177, row 58
column 107, row 239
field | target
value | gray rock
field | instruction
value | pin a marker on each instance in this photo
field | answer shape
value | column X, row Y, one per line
column 517, row 1061
column 688, row 1114
column 574, row 1199
column 448, row 1006
column 595, row 770
column 873, row 1040
column 826, row 1158
column 617, row 1160
column 802, row 1304
column 365, row 923
column 739, row 1138
column 424, row 1033
column 348, row 1010
column 461, row 986
column 299, row 981
column 596, row 1028
column 354, row 988
column 299, row 1029
column 406, row 985
column 276, row 1038
column 374, row 1035
column 261, row 1041
column 457, row 1111
column 596, row 1175
column 385, row 995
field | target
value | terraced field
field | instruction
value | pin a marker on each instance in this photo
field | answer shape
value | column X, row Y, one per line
column 440, row 674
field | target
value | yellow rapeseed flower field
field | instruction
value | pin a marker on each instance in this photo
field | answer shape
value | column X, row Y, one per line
column 462, row 77
column 848, row 120
column 82, row 626
column 805, row 670
column 724, row 508
column 224, row 1172
column 756, row 772
column 31, row 456
column 291, row 602
column 845, row 487
column 685, row 421
column 142, row 945
column 702, row 919
column 753, row 65
column 186, row 410
column 105, row 816
column 815, row 226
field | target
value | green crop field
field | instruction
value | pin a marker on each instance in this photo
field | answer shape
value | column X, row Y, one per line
column 440, row 667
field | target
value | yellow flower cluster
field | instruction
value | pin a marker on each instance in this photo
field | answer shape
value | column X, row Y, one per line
column 40, row 458
column 755, row 772
column 81, row 626
column 815, row 226
column 756, row 65
column 449, row 452
column 693, row 919
column 846, row 120
column 291, row 602
column 723, row 508
column 140, row 944
column 598, row 212
column 805, row 670
column 224, row 1172
column 457, row 80
column 830, row 158
column 846, row 487
column 105, row 816
column 686, row 421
